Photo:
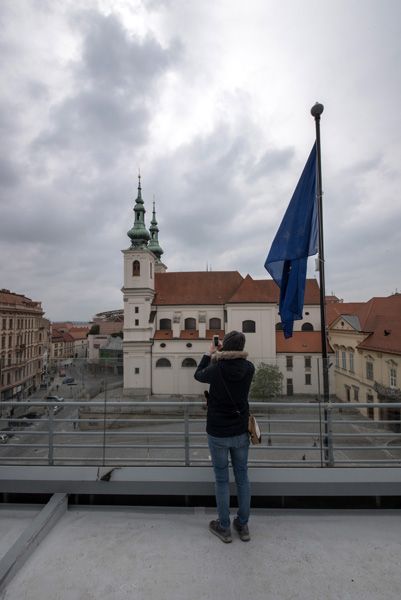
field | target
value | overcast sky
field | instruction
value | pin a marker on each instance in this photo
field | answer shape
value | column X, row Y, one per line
column 211, row 100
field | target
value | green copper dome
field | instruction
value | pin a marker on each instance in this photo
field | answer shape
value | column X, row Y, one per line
column 154, row 245
column 139, row 235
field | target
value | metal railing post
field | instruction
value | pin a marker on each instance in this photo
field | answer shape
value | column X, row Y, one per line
column 186, row 435
column 329, row 434
column 51, row 434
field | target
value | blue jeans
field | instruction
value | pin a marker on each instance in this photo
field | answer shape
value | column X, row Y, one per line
column 237, row 446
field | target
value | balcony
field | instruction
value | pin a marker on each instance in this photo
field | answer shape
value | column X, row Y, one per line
column 121, row 492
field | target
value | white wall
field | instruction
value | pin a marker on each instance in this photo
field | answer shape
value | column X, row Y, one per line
column 313, row 318
column 263, row 341
column 137, row 357
column 96, row 340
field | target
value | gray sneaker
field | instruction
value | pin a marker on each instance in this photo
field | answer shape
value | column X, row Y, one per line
column 223, row 533
column 243, row 530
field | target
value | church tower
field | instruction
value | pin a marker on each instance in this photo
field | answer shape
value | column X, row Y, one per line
column 154, row 245
column 138, row 291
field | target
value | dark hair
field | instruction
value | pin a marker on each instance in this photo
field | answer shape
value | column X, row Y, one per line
column 234, row 340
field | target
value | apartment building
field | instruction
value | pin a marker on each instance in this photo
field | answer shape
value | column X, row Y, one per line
column 23, row 345
column 62, row 345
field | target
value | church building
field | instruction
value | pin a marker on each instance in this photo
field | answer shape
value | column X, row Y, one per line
column 171, row 317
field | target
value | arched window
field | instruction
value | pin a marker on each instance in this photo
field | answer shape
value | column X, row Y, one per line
column 279, row 327
column 248, row 326
column 215, row 323
column 163, row 362
column 307, row 327
column 190, row 323
column 165, row 323
column 136, row 268
column 188, row 362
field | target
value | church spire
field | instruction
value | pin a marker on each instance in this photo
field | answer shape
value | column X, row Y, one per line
column 139, row 235
column 154, row 245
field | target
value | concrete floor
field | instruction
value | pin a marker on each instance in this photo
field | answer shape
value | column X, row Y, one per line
column 133, row 553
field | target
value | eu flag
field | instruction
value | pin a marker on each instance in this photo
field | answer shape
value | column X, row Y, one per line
column 296, row 239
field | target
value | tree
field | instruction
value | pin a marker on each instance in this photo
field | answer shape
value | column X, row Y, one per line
column 267, row 382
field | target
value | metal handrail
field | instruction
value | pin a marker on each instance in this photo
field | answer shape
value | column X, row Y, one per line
column 183, row 444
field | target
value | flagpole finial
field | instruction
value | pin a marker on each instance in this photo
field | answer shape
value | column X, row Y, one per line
column 317, row 110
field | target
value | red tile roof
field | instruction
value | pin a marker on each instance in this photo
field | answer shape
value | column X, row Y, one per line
column 9, row 298
column 332, row 299
column 220, row 287
column 386, row 336
column 59, row 336
column 375, row 316
column 301, row 341
column 266, row 291
column 79, row 333
column 335, row 310
column 202, row 287
column 67, row 337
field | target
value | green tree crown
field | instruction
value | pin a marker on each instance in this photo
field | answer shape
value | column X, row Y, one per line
column 267, row 382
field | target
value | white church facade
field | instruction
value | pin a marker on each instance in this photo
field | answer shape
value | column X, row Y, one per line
column 170, row 319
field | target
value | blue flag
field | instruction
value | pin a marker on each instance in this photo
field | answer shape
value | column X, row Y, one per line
column 296, row 239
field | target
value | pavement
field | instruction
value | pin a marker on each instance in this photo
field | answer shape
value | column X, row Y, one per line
column 126, row 553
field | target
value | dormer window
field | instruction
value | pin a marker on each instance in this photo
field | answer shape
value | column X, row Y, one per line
column 136, row 268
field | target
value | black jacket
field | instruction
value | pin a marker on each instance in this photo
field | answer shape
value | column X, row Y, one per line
column 226, row 416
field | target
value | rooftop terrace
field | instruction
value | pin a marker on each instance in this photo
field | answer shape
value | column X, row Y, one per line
column 167, row 553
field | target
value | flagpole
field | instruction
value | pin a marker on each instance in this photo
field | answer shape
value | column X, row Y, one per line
column 316, row 112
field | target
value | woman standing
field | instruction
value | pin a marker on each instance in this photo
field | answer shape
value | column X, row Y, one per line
column 229, row 375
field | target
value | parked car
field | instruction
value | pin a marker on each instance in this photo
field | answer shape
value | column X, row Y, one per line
column 68, row 380
column 54, row 398
column 4, row 438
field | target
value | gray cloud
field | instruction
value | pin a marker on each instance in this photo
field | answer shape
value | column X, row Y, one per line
column 215, row 111
column 8, row 173
column 109, row 109
column 271, row 161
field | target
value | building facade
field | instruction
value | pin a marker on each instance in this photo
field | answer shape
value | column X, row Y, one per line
column 62, row 345
column 79, row 332
column 107, row 326
column 23, row 345
column 170, row 319
column 366, row 338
